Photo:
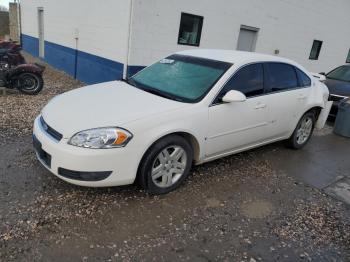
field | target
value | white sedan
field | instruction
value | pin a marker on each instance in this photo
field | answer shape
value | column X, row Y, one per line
column 191, row 107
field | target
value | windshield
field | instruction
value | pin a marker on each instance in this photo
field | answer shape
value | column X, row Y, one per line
column 182, row 78
column 341, row 73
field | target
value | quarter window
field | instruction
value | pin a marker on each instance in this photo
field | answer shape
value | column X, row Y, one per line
column 249, row 80
column 348, row 58
column 315, row 50
column 281, row 77
column 303, row 78
column 190, row 29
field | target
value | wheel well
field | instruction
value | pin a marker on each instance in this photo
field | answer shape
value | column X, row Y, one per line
column 190, row 138
column 193, row 142
column 316, row 110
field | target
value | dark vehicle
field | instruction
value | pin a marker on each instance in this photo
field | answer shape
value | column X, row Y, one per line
column 10, row 52
column 16, row 73
column 27, row 78
column 13, row 58
column 10, row 45
column 338, row 83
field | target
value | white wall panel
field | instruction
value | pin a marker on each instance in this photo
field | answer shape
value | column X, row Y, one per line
column 103, row 25
column 287, row 25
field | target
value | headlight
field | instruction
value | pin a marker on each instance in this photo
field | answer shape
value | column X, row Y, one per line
column 109, row 137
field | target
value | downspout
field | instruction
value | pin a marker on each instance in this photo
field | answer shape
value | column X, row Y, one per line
column 127, row 58
column 76, row 58
column 76, row 51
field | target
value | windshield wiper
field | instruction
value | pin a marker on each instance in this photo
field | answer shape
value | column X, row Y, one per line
column 132, row 82
column 162, row 94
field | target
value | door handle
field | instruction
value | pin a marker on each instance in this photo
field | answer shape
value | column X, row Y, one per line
column 260, row 106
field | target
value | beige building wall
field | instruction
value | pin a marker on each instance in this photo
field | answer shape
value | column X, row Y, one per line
column 14, row 18
column 4, row 24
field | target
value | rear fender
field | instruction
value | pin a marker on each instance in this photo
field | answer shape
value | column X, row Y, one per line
column 322, row 118
column 26, row 68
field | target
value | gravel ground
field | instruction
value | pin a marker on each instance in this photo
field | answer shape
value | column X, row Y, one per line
column 18, row 111
column 235, row 209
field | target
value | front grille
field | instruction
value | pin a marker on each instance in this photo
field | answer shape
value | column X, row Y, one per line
column 52, row 132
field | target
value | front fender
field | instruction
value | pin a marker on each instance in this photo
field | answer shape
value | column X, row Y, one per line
column 192, row 122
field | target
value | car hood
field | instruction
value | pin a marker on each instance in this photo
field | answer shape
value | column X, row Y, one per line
column 102, row 105
column 337, row 87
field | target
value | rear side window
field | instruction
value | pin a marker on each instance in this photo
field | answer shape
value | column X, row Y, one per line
column 249, row 80
column 303, row 78
column 281, row 77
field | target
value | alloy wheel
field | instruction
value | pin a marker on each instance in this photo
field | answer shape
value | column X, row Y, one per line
column 169, row 166
column 305, row 130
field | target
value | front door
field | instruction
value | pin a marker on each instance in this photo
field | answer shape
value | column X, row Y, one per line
column 237, row 125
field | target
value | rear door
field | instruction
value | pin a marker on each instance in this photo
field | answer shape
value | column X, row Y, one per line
column 287, row 98
column 237, row 125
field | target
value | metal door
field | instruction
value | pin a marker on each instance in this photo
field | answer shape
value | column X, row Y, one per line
column 247, row 39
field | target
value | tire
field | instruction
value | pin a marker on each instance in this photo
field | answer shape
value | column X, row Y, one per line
column 303, row 131
column 30, row 84
column 174, row 149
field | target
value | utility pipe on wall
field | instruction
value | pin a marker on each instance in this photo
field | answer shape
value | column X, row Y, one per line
column 127, row 58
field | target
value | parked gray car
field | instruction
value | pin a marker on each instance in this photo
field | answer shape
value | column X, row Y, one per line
column 338, row 83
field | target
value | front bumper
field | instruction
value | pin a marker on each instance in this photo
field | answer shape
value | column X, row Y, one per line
column 83, row 166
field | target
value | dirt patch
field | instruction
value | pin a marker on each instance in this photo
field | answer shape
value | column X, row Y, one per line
column 257, row 209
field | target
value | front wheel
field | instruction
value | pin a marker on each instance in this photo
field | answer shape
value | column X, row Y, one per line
column 29, row 83
column 166, row 165
column 303, row 131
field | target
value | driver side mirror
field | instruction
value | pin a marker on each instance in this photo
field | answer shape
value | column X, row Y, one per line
column 322, row 73
column 234, row 96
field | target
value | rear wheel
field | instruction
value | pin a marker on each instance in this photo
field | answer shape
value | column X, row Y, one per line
column 303, row 131
column 166, row 165
column 29, row 83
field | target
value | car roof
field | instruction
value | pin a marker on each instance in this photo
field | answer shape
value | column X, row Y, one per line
column 236, row 57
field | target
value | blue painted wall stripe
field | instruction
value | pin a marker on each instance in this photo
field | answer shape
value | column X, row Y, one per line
column 95, row 69
column 91, row 69
column 30, row 44
column 61, row 57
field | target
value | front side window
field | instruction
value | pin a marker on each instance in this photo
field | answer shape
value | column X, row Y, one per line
column 315, row 50
column 249, row 80
column 179, row 77
column 190, row 29
column 281, row 77
column 303, row 78
column 341, row 73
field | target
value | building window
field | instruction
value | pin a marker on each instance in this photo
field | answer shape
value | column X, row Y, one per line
column 348, row 58
column 315, row 50
column 190, row 29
